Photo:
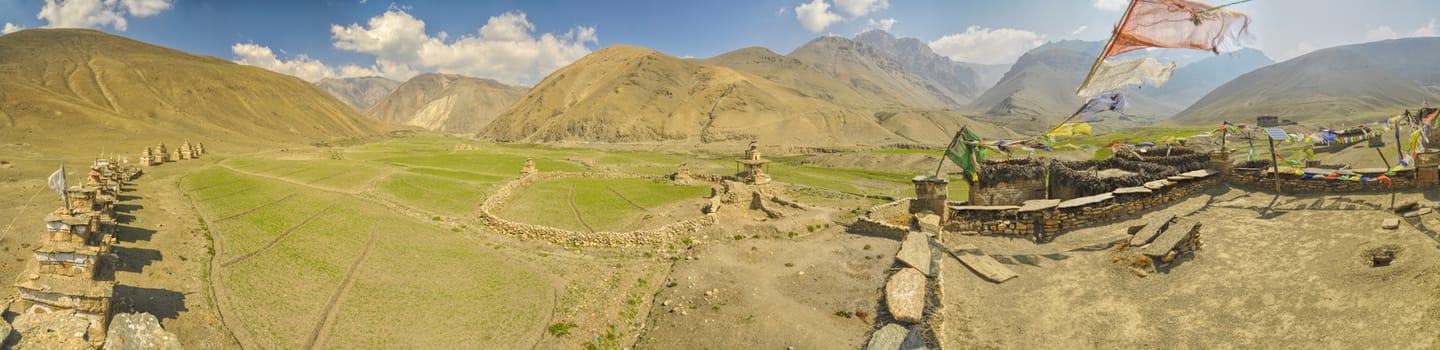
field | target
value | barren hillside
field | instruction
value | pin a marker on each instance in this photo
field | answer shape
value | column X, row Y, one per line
column 446, row 102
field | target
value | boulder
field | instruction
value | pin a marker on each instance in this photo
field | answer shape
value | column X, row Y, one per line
column 52, row 330
column 139, row 331
column 889, row 337
column 1406, row 206
column 915, row 252
column 915, row 340
column 905, row 295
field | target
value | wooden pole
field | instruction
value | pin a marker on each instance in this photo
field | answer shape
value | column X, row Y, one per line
column 1125, row 18
column 1224, row 134
column 1276, row 161
column 947, row 149
column 1382, row 158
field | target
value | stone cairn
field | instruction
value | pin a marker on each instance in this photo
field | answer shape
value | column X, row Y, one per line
column 159, row 154
column 528, row 168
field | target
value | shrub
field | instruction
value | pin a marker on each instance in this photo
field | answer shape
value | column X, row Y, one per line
column 560, row 329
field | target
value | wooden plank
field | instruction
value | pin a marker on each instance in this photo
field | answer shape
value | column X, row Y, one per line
column 1172, row 237
column 1151, row 229
column 983, row 265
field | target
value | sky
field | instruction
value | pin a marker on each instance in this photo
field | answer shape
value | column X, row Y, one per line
column 519, row 42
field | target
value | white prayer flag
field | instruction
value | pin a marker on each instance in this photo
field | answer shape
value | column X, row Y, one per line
column 1113, row 74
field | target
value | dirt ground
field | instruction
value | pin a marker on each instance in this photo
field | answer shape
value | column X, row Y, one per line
column 1274, row 272
column 771, row 293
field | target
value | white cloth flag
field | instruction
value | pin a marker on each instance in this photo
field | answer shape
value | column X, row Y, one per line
column 57, row 181
column 1113, row 74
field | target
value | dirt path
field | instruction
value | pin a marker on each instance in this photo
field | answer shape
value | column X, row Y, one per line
column 218, row 293
column 576, row 210
column 286, row 180
column 262, row 206
column 277, row 240
column 327, row 320
column 627, row 200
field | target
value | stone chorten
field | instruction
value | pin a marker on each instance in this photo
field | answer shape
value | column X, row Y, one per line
column 528, row 168
column 752, row 167
column 147, row 158
column 64, row 277
column 163, row 153
column 186, row 151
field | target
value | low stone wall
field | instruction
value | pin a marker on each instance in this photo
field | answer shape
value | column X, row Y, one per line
column 584, row 239
column 876, row 220
column 1255, row 179
column 1042, row 220
column 1007, row 192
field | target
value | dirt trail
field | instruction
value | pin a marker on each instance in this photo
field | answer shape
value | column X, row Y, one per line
column 218, row 293
column 576, row 210
column 6, row 233
column 262, row 206
column 327, row 319
column 287, row 180
column 277, row 240
column 627, row 200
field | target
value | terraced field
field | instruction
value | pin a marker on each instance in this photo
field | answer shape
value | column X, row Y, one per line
column 605, row 204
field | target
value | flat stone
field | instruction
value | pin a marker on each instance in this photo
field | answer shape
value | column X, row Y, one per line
column 915, row 251
column 1200, row 174
column 985, row 207
column 905, row 295
column 1424, row 211
column 1083, row 201
column 1132, row 190
column 139, row 331
column 1390, row 224
column 914, row 341
column 1179, row 178
column 889, row 337
column 1157, row 184
column 929, row 223
column 1038, row 205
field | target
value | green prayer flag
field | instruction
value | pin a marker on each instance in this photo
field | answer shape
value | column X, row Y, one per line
column 962, row 151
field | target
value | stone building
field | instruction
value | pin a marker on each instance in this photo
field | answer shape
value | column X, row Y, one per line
column 67, row 274
column 752, row 167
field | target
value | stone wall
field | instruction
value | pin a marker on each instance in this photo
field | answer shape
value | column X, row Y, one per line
column 877, row 220
column 1007, row 192
column 584, row 239
column 1042, row 220
column 1255, row 179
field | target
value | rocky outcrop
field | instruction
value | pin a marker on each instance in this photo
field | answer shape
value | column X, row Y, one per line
column 139, row 331
column 53, row 330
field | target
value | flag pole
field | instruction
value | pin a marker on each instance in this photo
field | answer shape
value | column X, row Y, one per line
column 947, row 149
column 1108, row 44
column 65, row 190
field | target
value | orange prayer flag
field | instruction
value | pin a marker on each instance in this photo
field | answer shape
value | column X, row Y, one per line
column 1176, row 24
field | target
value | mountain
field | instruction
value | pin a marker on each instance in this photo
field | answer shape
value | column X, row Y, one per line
column 446, row 102
column 1361, row 80
column 954, row 79
column 1040, row 87
column 1192, row 81
column 91, row 90
column 632, row 94
column 360, row 92
column 986, row 75
column 873, row 72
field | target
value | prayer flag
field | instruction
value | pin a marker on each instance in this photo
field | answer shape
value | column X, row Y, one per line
column 1114, row 74
column 966, row 152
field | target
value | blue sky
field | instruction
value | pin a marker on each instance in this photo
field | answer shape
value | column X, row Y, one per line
column 521, row 41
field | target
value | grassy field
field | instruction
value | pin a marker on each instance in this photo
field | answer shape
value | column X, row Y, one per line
column 601, row 203
column 287, row 250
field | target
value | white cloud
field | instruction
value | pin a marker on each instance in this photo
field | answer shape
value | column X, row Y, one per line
column 10, row 28
column 1111, row 5
column 505, row 48
column 883, row 24
column 986, row 45
column 301, row 66
column 1079, row 30
column 815, row 16
column 857, row 8
column 1427, row 30
column 98, row 13
column 1381, row 33
column 146, row 8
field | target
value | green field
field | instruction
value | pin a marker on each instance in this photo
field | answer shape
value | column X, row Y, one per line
column 419, row 285
column 597, row 201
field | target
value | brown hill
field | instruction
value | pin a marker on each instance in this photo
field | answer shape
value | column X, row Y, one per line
column 1362, row 80
column 632, row 94
column 92, row 90
column 446, row 102
column 359, row 92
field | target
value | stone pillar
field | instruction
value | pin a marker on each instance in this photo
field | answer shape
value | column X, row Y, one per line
column 931, row 193
column 1220, row 162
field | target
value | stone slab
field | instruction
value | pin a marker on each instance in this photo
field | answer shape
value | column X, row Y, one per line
column 1151, row 229
column 1200, row 174
column 983, row 265
column 985, row 207
column 905, row 295
column 915, row 340
column 1179, row 178
column 889, row 337
column 1132, row 190
column 1038, row 205
column 915, row 252
column 929, row 223
column 1176, row 233
column 1390, row 224
column 1157, row 184
column 1083, row 201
